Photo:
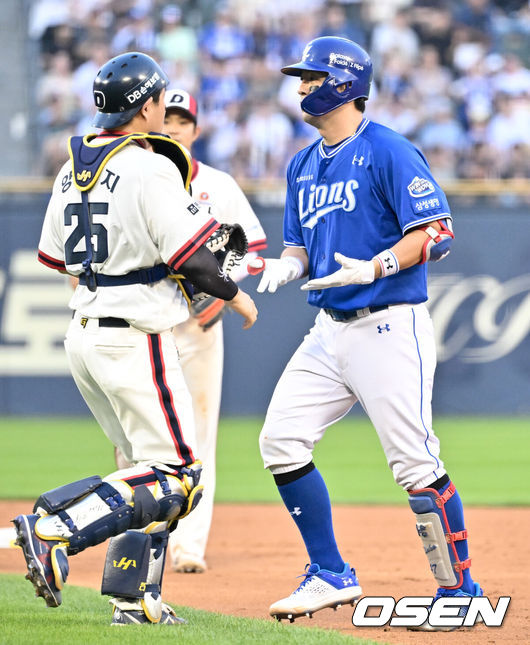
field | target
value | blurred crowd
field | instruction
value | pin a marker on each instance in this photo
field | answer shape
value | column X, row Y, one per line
column 452, row 76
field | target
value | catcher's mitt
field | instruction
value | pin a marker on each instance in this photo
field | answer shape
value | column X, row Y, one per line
column 229, row 245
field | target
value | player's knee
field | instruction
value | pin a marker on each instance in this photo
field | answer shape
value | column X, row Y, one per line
column 278, row 450
column 89, row 511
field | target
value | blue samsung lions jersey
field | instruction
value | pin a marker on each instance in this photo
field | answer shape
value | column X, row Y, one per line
column 360, row 199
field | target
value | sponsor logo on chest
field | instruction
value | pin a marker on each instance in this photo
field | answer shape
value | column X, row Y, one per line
column 317, row 201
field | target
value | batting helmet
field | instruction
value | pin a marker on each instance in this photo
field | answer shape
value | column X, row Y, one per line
column 344, row 62
column 123, row 85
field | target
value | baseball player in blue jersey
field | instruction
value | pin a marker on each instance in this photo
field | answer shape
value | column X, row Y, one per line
column 363, row 215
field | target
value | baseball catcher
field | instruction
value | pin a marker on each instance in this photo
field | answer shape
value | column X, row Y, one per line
column 120, row 218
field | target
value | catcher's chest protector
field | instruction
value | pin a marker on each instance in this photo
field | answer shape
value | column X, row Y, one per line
column 89, row 154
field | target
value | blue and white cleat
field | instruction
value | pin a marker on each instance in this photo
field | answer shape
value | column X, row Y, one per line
column 46, row 560
column 445, row 593
column 320, row 589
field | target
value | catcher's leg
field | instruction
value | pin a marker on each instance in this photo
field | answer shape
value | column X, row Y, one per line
column 68, row 519
column 133, row 576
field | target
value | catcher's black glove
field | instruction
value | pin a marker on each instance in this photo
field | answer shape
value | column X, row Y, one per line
column 229, row 245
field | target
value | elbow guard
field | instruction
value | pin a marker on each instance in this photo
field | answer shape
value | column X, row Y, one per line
column 438, row 245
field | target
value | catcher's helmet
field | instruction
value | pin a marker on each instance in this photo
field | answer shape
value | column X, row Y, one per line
column 344, row 62
column 123, row 85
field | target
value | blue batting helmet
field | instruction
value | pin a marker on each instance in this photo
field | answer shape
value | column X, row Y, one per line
column 123, row 85
column 344, row 62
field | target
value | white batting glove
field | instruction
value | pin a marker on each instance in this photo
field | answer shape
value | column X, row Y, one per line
column 277, row 272
column 352, row 272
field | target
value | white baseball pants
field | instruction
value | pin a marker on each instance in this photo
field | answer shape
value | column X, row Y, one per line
column 386, row 361
column 133, row 384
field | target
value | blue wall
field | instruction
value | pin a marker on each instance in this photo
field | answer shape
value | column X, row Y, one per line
column 479, row 300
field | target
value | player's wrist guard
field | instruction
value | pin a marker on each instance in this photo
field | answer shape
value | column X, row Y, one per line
column 388, row 263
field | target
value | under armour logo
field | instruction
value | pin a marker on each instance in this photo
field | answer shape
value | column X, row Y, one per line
column 347, row 582
column 382, row 328
column 296, row 511
column 388, row 263
column 357, row 160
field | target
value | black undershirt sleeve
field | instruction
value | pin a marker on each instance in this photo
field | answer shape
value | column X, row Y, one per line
column 204, row 272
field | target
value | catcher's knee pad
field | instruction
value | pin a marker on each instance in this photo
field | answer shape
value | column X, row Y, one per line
column 134, row 568
column 176, row 494
column 84, row 513
column 88, row 512
column 440, row 532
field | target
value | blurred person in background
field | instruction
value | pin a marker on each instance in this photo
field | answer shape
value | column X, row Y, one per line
column 395, row 38
column 335, row 22
column 509, row 126
column 441, row 128
column 430, row 79
column 433, row 22
column 176, row 42
column 267, row 134
column 136, row 34
column 223, row 39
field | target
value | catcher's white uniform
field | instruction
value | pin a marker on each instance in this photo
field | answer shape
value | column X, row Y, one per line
column 201, row 357
column 130, row 376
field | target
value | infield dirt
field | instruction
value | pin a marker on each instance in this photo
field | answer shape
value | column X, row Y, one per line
column 255, row 555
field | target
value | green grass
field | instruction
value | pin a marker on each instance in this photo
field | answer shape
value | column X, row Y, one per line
column 84, row 617
column 487, row 458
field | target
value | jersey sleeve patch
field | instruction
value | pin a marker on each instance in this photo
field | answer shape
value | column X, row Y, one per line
column 420, row 187
column 193, row 244
column 426, row 204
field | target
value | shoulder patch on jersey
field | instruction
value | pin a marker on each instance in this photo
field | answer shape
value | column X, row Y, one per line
column 426, row 204
column 419, row 187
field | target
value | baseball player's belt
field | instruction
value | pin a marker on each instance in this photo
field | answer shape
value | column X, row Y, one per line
column 346, row 316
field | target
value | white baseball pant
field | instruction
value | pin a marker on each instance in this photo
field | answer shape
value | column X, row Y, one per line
column 133, row 384
column 386, row 361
